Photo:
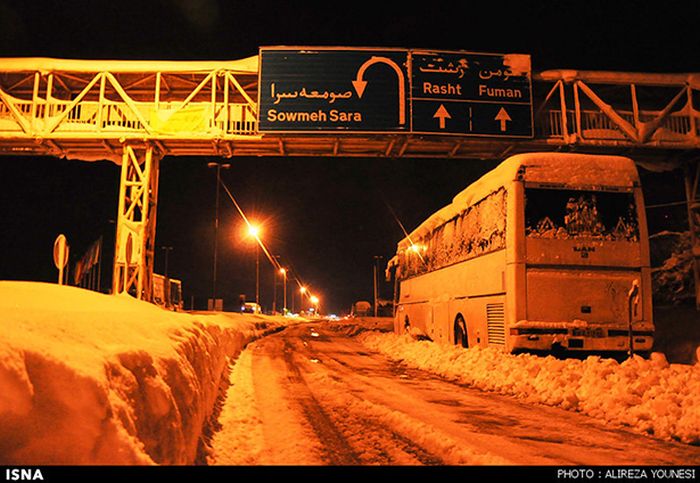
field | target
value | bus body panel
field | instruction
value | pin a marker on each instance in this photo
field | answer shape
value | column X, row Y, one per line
column 592, row 296
column 577, row 287
column 431, row 302
column 583, row 253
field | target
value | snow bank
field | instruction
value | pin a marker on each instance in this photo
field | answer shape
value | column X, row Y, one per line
column 87, row 378
column 354, row 326
column 650, row 396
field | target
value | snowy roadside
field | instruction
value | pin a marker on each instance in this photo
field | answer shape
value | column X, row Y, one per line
column 87, row 378
column 650, row 396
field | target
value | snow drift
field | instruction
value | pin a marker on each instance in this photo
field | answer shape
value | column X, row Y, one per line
column 650, row 396
column 87, row 378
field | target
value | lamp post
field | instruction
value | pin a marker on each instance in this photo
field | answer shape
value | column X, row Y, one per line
column 314, row 300
column 274, row 284
column 283, row 272
column 302, row 292
column 257, row 274
column 218, row 167
column 376, row 259
column 167, row 250
column 254, row 231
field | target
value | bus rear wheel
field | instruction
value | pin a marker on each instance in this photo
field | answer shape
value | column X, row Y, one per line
column 461, row 338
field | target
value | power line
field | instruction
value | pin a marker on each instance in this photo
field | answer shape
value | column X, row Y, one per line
column 666, row 205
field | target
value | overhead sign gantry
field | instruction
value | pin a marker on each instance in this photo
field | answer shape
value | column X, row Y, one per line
column 327, row 90
column 358, row 102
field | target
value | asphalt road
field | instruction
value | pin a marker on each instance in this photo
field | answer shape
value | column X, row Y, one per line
column 312, row 395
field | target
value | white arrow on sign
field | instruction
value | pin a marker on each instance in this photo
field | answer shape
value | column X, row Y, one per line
column 359, row 84
column 503, row 117
column 441, row 114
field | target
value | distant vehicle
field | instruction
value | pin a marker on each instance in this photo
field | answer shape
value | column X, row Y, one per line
column 251, row 308
column 361, row 308
column 547, row 251
column 167, row 292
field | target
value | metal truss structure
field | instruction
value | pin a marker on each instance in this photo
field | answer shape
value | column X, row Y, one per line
column 134, row 253
column 136, row 112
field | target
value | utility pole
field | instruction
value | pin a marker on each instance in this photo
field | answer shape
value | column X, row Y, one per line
column 167, row 250
column 283, row 271
column 376, row 298
column 218, row 167
column 257, row 273
column 274, row 284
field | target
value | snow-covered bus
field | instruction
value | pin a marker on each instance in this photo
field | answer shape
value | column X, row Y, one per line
column 548, row 251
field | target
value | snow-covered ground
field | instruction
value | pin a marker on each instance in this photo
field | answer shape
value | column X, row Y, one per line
column 650, row 396
column 314, row 395
column 87, row 378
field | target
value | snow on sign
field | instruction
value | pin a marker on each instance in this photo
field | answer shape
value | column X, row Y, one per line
column 471, row 94
column 333, row 89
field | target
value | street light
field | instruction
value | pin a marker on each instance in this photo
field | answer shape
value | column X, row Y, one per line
column 219, row 167
column 314, row 300
column 254, row 231
column 275, row 263
column 302, row 292
column 376, row 298
column 283, row 272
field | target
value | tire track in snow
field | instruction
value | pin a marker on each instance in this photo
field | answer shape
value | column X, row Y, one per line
column 323, row 399
column 395, row 436
column 336, row 449
column 378, row 434
column 260, row 424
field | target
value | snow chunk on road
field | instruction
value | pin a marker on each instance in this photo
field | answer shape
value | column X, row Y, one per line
column 87, row 378
column 650, row 396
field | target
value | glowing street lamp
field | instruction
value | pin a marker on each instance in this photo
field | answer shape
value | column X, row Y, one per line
column 283, row 272
column 416, row 248
column 254, row 231
column 314, row 300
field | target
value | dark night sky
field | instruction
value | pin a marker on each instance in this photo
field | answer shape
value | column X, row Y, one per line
column 328, row 217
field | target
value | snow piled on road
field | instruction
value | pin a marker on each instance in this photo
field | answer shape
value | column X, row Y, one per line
column 650, row 396
column 87, row 378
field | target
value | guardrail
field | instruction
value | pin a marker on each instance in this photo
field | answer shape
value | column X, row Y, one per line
column 595, row 125
column 60, row 118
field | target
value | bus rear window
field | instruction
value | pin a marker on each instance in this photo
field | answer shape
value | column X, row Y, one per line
column 572, row 214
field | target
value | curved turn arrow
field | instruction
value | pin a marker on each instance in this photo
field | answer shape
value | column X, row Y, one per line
column 359, row 83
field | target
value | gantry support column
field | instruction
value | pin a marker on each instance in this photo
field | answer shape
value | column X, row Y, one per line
column 136, row 222
column 692, row 193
